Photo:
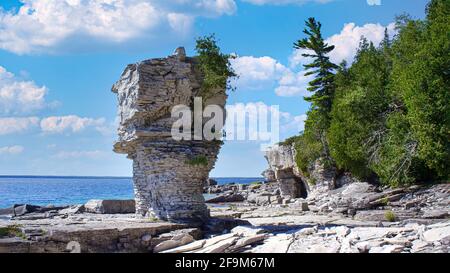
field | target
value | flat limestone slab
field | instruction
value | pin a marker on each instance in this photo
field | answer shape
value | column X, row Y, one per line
column 89, row 233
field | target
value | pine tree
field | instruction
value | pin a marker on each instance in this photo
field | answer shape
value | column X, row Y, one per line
column 321, row 67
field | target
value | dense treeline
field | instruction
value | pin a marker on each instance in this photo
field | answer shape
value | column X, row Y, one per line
column 385, row 117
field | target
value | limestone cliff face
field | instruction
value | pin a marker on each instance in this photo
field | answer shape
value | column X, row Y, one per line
column 281, row 159
column 167, row 184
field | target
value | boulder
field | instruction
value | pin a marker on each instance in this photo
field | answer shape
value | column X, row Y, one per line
column 24, row 209
column 110, row 206
column 263, row 199
column 73, row 209
column 210, row 182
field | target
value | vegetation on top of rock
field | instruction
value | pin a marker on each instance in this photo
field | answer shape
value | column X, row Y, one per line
column 214, row 65
column 389, row 118
column 289, row 141
column 198, row 161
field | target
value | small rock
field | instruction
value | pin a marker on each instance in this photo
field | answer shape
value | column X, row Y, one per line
column 342, row 231
column 247, row 231
column 306, row 231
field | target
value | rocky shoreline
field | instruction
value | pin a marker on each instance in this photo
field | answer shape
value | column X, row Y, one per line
column 355, row 218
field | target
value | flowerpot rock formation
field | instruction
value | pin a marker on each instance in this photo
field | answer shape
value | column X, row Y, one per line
column 168, row 174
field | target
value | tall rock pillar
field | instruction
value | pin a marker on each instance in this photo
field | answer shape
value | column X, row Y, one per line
column 168, row 174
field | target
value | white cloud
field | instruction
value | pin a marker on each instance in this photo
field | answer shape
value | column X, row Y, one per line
column 284, row 2
column 11, row 150
column 293, row 84
column 347, row 42
column 70, row 123
column 48, row 25
column 18, row 96
column 257, row 72
column 295, row 123
column 288, row 122
column 17, row 125
column 96, row 154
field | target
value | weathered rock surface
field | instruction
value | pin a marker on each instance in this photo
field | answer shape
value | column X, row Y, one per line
column 224, row 198
column 281, row 159
column 110, row 206
column 90, row 233
column 168, row 182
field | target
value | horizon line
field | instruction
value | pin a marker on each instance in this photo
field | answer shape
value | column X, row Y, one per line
column 99, row 176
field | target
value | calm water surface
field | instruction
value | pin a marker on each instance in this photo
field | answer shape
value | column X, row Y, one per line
column 45, row 190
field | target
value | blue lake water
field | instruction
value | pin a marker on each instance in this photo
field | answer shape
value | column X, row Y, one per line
column 45, row 190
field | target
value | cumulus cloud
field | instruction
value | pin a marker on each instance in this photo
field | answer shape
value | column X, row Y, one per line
column 347, row 42
column 257, row 72
column 18, row 96
column 46, row 25
column 17, row 125
column 263, row 72
column 293, row 84
column 11, row 150
column 70, row 124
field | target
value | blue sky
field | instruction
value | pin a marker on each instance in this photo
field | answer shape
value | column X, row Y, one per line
column 59, row 59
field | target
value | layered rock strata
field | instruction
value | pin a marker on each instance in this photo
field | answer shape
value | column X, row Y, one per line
column 282, row 164
column 168, row 174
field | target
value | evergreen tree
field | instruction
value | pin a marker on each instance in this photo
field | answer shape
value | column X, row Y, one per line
column 321, row 67
column 322, row 86
column 358, row 110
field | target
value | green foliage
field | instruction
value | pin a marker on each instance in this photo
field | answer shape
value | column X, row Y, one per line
column 321, row 67
column 289, row 141
column 11, row 231
column 312, row 144
column 308, row 149
column 358, row 109
column 390, row 216
column 416, row 145
column 200, row 160
column 384, row 201
column 387, row 115
column 214, row 65
column 422, row 80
